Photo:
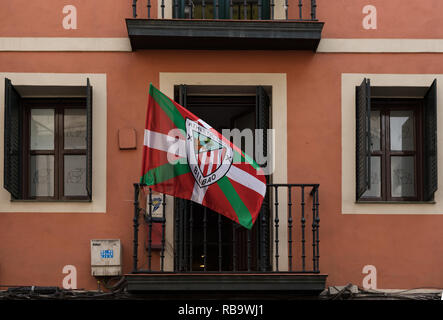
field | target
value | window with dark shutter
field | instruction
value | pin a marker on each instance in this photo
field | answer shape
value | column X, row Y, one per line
column 430, row 143
column 363, row 137
column 48, row 142
column 13, row 142
column 396, row 143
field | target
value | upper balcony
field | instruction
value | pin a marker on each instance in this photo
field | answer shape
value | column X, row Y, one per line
column 225, row 25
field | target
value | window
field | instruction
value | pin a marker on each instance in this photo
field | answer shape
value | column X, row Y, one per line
column 396, row 145
column 48, row 154
column 224, row 107
column 194, row 9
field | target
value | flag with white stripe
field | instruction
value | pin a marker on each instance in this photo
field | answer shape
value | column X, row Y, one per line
column 185, row 157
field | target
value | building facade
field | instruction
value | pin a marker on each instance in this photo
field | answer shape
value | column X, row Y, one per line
column 350, row 89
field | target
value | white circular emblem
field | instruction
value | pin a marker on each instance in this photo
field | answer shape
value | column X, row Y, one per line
column 209, row 158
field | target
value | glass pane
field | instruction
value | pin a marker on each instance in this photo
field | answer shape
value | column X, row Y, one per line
column 42, row 176
column 375, row 189
column 402, row 177
column 75, row 129
column 42, row 129
column 238, row 9
column 75, row 175
column 375, row 130
column 402, row 130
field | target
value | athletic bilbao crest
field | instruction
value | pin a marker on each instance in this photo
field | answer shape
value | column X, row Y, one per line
column 209, row 158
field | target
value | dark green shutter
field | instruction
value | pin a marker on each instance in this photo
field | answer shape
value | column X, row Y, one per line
column 181, row 210
column 363, row 137
column 89, row 138
column 224, row 9
column 182, row 95
column 179, row 9
column 262, row 121
column 266, row 10
column 262, row 115
column 430, row 143
column 13, row 161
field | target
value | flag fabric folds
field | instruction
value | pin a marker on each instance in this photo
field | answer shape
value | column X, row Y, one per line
column 186, row 158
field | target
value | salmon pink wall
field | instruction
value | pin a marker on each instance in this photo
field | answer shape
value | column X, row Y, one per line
column 406, row 249
column 412, row 19
column 106, row 18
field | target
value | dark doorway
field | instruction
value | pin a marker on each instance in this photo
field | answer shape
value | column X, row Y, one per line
column 204, row 239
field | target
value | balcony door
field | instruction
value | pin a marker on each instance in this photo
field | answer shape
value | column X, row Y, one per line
column 222, row 9
column 203, row 239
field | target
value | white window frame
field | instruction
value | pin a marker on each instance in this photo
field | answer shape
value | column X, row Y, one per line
column 279, row 122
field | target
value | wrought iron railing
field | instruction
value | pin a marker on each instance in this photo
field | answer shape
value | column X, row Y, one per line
column 303, row 10
column 285, row 237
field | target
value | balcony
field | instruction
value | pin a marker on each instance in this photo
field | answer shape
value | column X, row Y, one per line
column 224, row 25
column 205, row 253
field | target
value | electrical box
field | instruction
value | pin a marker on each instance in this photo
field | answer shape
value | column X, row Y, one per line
column 106, row 257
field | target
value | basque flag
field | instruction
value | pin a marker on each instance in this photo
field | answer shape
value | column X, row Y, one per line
column 186, row 158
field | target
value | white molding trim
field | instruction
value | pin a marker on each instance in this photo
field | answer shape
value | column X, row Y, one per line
column 327, row 45
column 380, row 46
column 64, row 44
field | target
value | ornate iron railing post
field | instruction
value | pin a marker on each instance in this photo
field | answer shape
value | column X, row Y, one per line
column 317, row 221
column 290, row 228
column 313, row 10
column 134, row 9
column 162, row 253
column 315, row 229
column 135, row 225
column 149, row 9
column 300, row 9
column 276, row 221
column 286, row 9
column 150, row 230
column 162, row 8
column 303, row 221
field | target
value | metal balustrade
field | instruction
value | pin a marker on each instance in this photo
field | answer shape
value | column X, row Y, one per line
column 304, row 10
column 285, row 236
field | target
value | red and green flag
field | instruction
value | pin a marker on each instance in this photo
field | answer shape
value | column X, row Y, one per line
column 186, row 158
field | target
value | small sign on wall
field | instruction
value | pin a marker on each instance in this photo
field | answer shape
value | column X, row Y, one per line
column 127, row 139
column 157, row 207
column 106, row 257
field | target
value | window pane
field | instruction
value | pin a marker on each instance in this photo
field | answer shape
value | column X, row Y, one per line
column 42, row 129
column 238, row 9
column 197, row 10
column 375, row 189
column 75, row 129
column 42, row 176
column 402, row 176
column 375, row 130
column 75, row 175
column 402, row 130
